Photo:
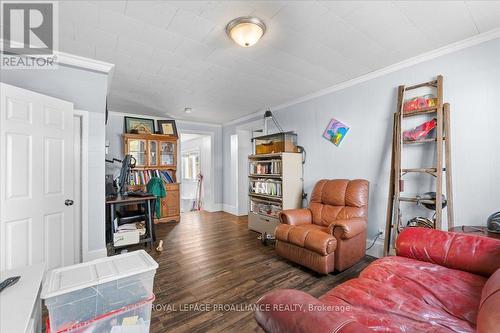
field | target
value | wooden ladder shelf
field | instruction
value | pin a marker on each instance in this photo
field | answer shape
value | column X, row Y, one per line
column 443, row 144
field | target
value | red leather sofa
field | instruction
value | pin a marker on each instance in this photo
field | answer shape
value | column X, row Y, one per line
column 438, row 282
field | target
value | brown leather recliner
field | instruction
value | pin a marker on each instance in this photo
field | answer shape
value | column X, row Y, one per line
column 331, row 233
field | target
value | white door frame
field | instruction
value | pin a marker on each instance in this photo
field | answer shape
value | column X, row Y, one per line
column 84, row 169
column 233, row 174
column 208, row 206
column 184, row 182
column 244, row 149
column 241, row 164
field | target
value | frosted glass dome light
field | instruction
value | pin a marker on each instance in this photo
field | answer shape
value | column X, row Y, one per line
column 246, row 31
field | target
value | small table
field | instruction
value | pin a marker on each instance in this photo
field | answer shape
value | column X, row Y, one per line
column 20, row 304
column 475, row 230
column 148, row 202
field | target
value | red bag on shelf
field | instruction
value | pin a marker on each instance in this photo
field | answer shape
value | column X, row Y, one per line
column 418, row 103
column 420, row 132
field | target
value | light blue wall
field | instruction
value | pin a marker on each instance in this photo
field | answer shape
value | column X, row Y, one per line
column 87, row 91
column 471, row 85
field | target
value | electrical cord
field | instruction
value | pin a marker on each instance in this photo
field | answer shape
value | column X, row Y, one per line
column 302, row 150
column 374, row 240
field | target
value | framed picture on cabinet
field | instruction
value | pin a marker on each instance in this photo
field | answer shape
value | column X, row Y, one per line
column 167, row 127
column 139, row 125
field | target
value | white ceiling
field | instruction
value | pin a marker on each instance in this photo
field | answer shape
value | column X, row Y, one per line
column 172, row 54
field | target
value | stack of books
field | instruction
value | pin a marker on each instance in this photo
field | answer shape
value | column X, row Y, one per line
column 267, row 187
column 266, row 167
column 142, row 177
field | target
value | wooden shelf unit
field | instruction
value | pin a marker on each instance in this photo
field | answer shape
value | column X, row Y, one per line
column 441, row 171
column 157, row 152
column 289, row 177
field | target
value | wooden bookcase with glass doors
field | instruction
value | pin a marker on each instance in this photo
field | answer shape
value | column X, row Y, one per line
column 156, row 156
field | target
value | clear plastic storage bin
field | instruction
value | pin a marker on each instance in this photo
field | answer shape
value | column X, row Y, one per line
column 133, row 318
column 276, row 143
column 83, row 292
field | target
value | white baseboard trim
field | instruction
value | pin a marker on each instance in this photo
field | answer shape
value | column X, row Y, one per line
column 377, row 249
column 230, row 209
column 95, row 254
column 213, row 208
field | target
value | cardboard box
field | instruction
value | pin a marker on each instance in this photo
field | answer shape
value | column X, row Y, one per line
column 128, row 237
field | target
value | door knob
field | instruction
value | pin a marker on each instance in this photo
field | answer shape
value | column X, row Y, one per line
column 69, row 202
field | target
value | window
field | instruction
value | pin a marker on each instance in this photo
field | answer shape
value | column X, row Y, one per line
column 190, row 165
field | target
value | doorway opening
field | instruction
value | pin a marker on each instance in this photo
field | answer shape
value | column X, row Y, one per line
column 196, row 172
column 241, row 147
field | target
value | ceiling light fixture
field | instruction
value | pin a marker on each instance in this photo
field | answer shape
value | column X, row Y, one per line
column 188, row 110
column 246, row 31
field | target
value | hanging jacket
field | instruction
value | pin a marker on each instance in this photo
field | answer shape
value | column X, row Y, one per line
column 155, row 187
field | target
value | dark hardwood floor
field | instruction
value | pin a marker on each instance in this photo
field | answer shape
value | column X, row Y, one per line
column 212, row 258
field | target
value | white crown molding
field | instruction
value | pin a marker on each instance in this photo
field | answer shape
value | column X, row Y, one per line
column 248, row 117
column 129, row 114
column 179, row 121
column 450, row 48
column 74, row 60
column 85, row 63
column 200, row 123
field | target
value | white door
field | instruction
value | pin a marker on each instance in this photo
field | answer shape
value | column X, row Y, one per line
column 36, row 173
